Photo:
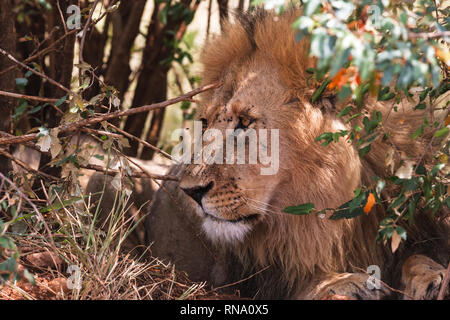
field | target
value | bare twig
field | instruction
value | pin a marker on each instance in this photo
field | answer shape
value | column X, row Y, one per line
column 101, row 132
column 40, row 53
column 145, row 143
column 53, row 44
column 40, row 74
column 26, row 97
column 83, row 37
column 61, row 16
column 429, row 35
column 26, row 167
column 38, row 213
column 28, row 144
column 242, row 280
column 90, row 121
column 134, row 174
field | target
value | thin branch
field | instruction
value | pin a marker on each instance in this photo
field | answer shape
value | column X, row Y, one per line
column 42, row 52
column 90, row 121
column 61, row 16
column 26, row 97
column 26, row 167
column 145, row 143
column 242, row 280
column 28, row 144
column 101, row 132
column 86, row 26
column 35, row 98
column 40, row 74
column 38, row 213
column 47, row 49
column 135, row 174
column 429, row 35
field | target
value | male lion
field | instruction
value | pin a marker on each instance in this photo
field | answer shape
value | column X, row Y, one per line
column 263, row 71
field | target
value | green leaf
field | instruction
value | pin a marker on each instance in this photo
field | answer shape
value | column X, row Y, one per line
column 417, row 133
column 311, row 6
column 420, row 169
column 397, row 202
column 302, row 209
column 401, row 232
column 436, row 169
column 99, row 156
column 7, row 243
column 387, row 96
column 364, row 151
column 163, row 15
column 345, row 112
column 21, row 82
column 411, row 211
column 420, row 106
column 19, row 110
column 10, row 266
column 353, row 117
column 441, row 132
column 319, row 91
column 60, row 101
column 327, row 136
column 410, row 184
column 345, row 92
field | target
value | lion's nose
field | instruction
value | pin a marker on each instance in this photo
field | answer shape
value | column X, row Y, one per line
column 198, row 192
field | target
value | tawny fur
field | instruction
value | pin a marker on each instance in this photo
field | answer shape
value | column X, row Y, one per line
column 259, row 62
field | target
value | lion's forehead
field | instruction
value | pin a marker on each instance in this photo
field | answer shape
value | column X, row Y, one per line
column 253, row 91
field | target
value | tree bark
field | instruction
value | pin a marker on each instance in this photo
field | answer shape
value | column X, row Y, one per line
column 241, row 6
column 125, row 30
column 152, row 81
column 94, row 54
column 7, row 81
column 61, row 59
column 223, row 12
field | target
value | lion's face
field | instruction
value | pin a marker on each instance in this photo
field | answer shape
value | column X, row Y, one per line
column 233, row 198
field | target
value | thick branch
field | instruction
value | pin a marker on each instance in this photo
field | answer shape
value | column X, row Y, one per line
column 90, row 121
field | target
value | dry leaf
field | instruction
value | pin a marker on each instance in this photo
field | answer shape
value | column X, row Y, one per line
column 44, row 143
column 395, row 241
column 116, row 183
column 44, row 259
column 406, row 170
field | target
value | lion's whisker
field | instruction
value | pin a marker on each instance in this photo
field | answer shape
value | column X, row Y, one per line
column 262, row 202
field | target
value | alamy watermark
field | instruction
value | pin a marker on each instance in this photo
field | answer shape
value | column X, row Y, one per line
column 74, row 20
column 192, row 149
column 74, row 281
column 374, row 280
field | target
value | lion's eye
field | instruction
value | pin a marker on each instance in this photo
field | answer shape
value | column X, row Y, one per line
column 244, row 122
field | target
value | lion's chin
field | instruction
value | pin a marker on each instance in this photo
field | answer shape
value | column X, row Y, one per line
column 223, row 231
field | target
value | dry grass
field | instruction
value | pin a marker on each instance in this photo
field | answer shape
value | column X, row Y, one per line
column 105, row 271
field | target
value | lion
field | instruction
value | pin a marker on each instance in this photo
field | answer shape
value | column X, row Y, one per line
column 238, row 212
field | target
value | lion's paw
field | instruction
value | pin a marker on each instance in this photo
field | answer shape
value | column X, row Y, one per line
column 348, row 286
column 422, row 278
